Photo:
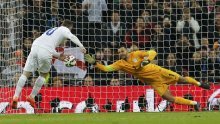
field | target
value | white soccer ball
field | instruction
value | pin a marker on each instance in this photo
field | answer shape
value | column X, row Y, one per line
column 70, row 61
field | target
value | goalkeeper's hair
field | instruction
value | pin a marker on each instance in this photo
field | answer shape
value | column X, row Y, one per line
column 67, row 23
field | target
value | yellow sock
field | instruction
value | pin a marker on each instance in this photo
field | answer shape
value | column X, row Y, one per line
column 192, row 81
column 180, row 100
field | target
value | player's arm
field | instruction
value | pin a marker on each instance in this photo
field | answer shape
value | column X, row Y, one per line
column 148, row 57
column 75, row 40
column 59, row 56
column 109, row 68
column 56, row 54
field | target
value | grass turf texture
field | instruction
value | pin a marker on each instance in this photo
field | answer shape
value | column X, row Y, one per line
column 114, row 118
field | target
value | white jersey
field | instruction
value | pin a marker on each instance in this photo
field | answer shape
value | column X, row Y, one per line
column 54, row 37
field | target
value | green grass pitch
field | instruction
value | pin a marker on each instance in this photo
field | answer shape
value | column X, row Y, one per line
column 115, row 118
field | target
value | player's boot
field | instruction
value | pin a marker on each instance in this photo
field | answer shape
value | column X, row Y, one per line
column 31, row 101
column 14, row 103
column 209, row 106
column 197, row 106
column 205, row 86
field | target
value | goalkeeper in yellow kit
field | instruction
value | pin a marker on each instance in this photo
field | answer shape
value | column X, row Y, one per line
column 138, row 63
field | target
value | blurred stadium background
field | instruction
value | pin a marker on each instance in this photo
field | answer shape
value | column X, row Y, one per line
column 185, row 33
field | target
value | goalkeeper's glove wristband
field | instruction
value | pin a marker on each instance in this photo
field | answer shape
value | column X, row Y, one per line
column 145, row 62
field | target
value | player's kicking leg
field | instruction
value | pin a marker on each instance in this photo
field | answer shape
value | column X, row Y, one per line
column 19, row 86
column 190, row 80
column 180, row 100
column 37, row 86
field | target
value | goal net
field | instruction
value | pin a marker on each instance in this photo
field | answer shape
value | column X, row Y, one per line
column 185, row 34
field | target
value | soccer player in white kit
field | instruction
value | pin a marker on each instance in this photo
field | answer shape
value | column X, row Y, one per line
column 40, row 58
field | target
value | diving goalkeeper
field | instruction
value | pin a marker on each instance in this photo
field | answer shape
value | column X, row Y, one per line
column 138, row 63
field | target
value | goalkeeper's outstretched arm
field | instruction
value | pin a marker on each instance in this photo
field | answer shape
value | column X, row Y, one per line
column 108, row 68
column 150, row 55
column 113, row 67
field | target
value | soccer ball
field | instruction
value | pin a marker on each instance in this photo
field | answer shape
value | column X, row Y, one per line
column 70, row 61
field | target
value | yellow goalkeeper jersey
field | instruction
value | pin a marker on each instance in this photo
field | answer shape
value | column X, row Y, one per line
column 159, row 78
column 148, row 73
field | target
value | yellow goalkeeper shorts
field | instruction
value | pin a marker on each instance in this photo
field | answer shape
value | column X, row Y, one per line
column 167, row 77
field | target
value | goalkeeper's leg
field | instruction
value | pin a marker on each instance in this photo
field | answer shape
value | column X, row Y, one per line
column 19, row 86
column 37, row 86
column 180, row 100
column 191, row 80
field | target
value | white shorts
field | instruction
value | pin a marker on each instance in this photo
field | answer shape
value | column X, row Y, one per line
column 39, row 59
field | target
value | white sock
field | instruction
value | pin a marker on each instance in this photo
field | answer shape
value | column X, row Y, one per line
column 20, row 85
column 37, row 86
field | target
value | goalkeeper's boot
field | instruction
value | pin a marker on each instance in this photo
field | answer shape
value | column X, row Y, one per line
column 14, row 103
column 197, row 107
column 31, row 101
column 205, row 86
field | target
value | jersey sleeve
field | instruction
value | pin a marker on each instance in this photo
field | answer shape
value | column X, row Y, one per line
column 109, row 68
column 72, row 37
column 151, row 54
column 55, row 54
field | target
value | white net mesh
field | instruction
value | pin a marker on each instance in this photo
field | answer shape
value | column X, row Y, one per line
column 185, row 34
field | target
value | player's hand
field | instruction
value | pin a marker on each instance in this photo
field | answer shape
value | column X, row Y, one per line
column 145, row 62
column 62, row 57
column 83, row 50
column 90, row 59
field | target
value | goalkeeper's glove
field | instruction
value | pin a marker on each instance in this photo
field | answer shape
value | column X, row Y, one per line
column 145, row 62
column 90, row 59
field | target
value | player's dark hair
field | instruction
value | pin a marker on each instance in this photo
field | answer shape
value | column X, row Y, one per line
column 67, row 23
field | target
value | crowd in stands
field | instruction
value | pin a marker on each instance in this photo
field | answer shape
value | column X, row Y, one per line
column 185, row 34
